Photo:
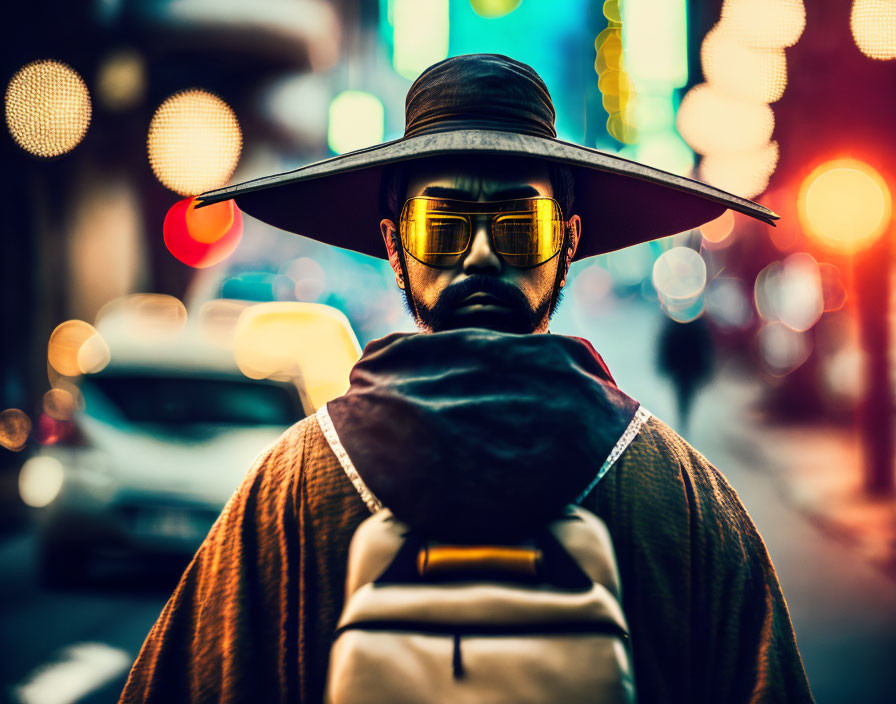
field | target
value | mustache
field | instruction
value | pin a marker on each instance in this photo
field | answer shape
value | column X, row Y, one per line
column 506, row 293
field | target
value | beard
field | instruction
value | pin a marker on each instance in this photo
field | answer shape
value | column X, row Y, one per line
column 515, row 315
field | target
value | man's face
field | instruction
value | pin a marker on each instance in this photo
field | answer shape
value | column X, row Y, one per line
column 481, row 289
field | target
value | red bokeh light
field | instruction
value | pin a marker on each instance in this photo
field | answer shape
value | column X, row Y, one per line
column 202, row 237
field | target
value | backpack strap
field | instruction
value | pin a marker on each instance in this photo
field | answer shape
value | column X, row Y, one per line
column 642, row 415
column 329, row 431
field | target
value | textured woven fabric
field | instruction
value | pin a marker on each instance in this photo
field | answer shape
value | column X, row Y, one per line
column 479, row 91
column 253, row 616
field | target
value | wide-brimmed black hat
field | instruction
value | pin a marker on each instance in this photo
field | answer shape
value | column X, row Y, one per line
column 483, row 104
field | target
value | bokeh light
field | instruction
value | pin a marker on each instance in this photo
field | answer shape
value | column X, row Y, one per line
column 51, row 431
column 679, row 273
column 307, row 277
column 47, row 108
column 832, row 287
column 666, row 150
column 679, row 277
column 356, row 120
column 194, row 142
column 767, row 24
column 728, row 303
column 765, row 291
column 251, row 286
column 59, row 404
column 420, row 36
column 15, row 427
column 743, row 173
column 143, row 316
column 790, row 292
column 845, row 205
column 613, row 11
column 800, row 297
column 285, row 339
column 67, row 384
column 758, row 75
column 202, row 237
column 121, row 79
column 616, row 88
column 656, row 42
column 40, row 480
column 782, row 349
column 718, row 230
column 713, row 122
column 218, row 319
column 873, row 24
column 76, row 348
column 496, row 8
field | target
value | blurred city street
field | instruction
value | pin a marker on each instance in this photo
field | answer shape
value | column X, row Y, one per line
column 843, row 608
column 161, row 328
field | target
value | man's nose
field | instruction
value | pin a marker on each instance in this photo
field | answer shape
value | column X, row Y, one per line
column 481, row 258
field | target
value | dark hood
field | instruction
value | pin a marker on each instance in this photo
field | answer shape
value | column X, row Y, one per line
column 471, row 433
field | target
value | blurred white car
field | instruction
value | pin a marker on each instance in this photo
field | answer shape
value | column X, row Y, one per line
column 145, row 467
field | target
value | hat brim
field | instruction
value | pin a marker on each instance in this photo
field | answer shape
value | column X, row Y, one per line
column 621, row 202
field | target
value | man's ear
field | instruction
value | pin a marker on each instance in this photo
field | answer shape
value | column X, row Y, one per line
column 574, row 228
column 390, row 239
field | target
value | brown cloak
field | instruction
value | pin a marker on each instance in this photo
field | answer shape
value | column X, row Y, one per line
column 253, row 615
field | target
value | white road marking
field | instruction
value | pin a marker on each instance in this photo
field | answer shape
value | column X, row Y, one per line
column 78, row 670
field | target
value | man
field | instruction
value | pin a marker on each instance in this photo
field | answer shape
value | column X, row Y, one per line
column 476, row 428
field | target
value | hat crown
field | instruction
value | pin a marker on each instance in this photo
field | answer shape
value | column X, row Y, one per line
column 479, row 91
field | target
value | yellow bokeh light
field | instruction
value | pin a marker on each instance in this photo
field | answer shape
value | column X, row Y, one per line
column 15, row 427
column 766, row 24
column 76, row 348
column 286, row 339
column 613, row 11
column 144, row 315
column 59, row 404
column 719, row 229
column 47, row 108
column 494, row 8
column 713, row 122
column 873, row 24
column 65, row 383
column 121, row 80
column 743, row 173
column 194, row 142
column 845, row 204
column 356, row 120
column 758, row 75
column 420, row 35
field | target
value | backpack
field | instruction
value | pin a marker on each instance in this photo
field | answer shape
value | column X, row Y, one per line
column 536, row 622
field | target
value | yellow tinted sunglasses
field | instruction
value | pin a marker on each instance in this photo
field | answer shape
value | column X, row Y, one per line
column 525, row 233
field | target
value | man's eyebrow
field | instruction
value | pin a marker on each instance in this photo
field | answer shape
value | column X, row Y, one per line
column 446, row 192
column 514, row 192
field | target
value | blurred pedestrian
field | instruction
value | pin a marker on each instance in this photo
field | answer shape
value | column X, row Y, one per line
column 477, row 427
column 686, row 354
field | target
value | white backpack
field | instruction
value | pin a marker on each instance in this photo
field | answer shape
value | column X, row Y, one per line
column 482, row 624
